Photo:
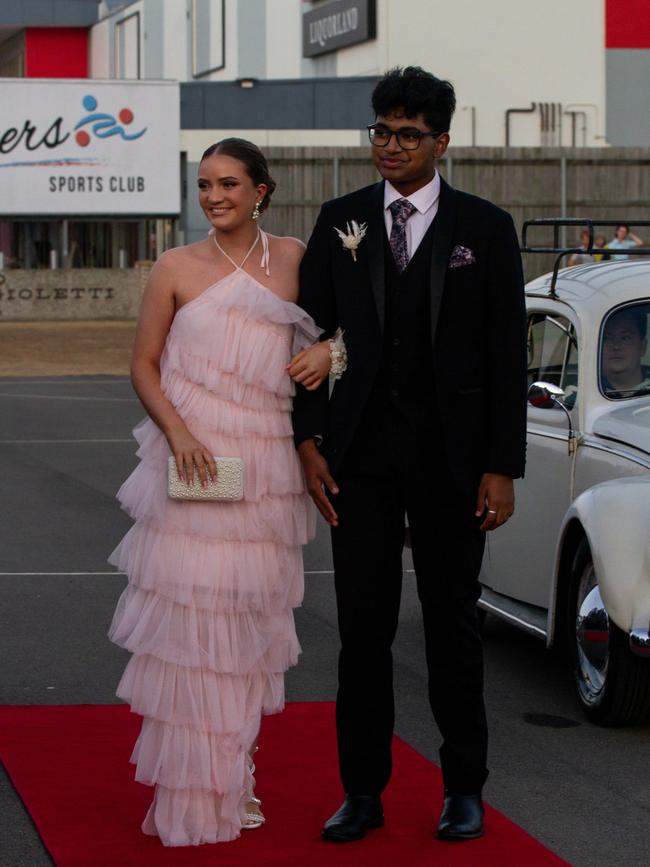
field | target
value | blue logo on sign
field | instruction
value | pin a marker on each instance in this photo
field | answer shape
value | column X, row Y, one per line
column 104, row 125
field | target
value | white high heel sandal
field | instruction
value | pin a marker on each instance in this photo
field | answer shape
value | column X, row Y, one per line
column 253, row 817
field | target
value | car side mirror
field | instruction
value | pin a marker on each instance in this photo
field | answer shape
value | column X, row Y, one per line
column 544, row 395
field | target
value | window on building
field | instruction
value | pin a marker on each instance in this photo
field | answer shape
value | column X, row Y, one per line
column 208, row 36
column 12, row 56
column 127, row 47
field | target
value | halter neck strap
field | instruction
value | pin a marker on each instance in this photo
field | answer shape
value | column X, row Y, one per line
column 265, row 261
column 229, row 258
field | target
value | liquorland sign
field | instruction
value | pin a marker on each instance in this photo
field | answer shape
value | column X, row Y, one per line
column 337, row 25
column 89, row 147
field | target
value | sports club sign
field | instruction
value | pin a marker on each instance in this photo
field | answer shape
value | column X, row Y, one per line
column 89, row 147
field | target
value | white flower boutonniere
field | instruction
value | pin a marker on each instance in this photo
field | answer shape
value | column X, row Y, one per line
column 353, row 238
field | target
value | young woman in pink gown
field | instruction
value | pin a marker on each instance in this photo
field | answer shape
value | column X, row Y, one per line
column 207, row 612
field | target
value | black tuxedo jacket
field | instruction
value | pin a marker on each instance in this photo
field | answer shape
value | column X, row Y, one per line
column 478, row 330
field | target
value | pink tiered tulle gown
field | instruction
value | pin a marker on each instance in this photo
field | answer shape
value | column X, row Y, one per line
column 207, row 613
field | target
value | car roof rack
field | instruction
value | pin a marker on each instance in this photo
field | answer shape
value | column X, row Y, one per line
column 584, row 223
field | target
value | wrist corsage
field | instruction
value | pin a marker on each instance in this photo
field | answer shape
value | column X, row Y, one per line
column 338, row 355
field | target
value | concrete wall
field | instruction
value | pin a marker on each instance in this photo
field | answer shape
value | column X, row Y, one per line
column 80, row 293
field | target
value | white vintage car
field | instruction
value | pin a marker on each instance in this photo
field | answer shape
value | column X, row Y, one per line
column 573, row 563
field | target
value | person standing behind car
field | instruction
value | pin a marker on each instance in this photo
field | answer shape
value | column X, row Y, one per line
column 600, row 242
column 623, row 240
column 582, row 258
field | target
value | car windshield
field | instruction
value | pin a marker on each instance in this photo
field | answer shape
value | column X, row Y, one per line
column 624, row 352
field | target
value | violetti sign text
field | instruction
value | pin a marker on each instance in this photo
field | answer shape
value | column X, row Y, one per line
column 337, row 25
column 88, row 147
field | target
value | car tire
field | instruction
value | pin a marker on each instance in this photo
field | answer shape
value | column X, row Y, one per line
column 613, row 685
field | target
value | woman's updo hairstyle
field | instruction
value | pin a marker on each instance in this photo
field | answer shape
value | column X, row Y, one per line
column 253, row 159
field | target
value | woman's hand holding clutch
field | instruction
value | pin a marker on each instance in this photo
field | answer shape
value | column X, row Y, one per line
column 190, row 454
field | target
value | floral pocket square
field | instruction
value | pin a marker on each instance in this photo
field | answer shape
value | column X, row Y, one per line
column 461, row 256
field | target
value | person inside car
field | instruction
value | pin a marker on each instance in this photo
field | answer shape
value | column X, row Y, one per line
column 624, row 346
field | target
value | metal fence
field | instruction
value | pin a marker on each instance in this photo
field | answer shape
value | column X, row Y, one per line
column 602, row 183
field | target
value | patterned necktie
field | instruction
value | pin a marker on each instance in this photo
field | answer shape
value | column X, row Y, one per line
column 401, row 209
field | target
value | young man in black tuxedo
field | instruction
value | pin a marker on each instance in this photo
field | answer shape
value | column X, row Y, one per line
column 426, row 424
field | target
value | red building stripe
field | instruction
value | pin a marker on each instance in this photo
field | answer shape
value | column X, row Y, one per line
column 56, row 52
column 627, row 24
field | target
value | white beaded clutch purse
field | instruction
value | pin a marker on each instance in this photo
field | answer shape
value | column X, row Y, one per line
column 229, row 484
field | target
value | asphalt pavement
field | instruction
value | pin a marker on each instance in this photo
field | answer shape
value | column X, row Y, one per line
column 65, row 447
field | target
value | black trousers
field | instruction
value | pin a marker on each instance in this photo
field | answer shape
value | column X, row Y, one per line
column 396, row 469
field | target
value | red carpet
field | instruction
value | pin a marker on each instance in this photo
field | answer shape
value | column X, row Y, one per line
column 70, row 766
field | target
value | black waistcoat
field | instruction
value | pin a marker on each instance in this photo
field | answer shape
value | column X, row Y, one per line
column 404, row 380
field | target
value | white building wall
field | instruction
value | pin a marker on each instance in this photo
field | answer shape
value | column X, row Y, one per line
column 506, row 54
column 99, row 61
column 373, row 58
column 195, row 141
column 283, row 38
column 103, row 61
column 500, row 54
column 176, row 40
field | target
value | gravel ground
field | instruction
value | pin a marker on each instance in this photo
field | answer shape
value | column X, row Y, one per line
column 65, row 348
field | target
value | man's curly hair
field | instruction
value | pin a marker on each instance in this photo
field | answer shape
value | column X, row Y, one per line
column 414, row 91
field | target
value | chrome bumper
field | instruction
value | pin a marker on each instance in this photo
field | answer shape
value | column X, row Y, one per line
column 640, row 642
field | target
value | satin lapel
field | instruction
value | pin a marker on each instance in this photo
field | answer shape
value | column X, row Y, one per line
column 375, row 237
column 442, row 240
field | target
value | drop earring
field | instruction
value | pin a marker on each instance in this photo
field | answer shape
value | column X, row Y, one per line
column 256, row 211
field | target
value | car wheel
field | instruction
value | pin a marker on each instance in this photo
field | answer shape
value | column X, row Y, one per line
column 613, row 685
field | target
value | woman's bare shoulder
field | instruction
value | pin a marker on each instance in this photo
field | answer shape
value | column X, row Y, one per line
column 290, row 249
column 180, row 257
column 172, row 267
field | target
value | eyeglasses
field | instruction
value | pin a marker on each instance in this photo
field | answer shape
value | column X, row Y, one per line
column 407, row 139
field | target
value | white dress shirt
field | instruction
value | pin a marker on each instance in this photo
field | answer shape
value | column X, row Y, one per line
column 425, row 200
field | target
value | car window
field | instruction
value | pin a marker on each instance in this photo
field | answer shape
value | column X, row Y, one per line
column 624, row 352
column 553, row 353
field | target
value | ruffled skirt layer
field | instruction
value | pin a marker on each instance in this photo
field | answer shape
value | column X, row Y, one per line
column 207, row 613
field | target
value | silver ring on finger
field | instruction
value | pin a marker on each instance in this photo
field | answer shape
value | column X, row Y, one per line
column 491, row 511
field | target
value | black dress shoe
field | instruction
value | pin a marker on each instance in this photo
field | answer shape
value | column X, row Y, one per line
column 462, row 817
column 357, row 815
